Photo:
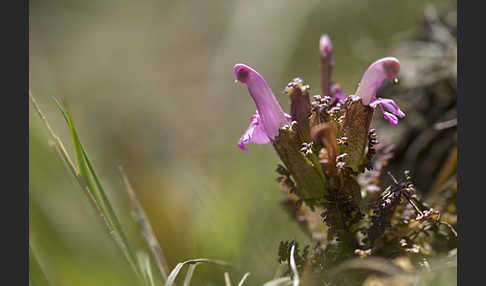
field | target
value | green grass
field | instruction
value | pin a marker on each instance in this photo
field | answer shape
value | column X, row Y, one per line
column 84, row 173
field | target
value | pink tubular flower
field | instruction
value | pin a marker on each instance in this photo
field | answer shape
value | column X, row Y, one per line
column 371, row 81
column 269, row 118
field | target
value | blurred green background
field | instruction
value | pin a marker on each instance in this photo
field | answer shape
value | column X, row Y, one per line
column 150, row 86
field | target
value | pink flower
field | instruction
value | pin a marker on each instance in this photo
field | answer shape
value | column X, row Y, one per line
column 373, row 77
column 269, row 117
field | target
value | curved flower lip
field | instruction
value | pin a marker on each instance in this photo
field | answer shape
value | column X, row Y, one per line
column 271, row 115
column 373, row 77
column 389, row 104
column 393, row 109
column 254, row 133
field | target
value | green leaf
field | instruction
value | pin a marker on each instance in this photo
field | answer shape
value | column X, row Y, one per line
column 90, row 179
column 311, row 183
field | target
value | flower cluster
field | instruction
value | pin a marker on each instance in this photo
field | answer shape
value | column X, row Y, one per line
column 325, row 143
column 333, row 165
column 270, row 118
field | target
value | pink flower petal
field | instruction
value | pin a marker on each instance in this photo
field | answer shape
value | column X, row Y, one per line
column 391, row 106
column 254, row 133
column 374, row 76
column 272, row 117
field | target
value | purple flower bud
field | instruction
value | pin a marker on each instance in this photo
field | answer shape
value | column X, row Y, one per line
column 325, row 46
column 337, row 93
column 265, row 124
column 386, row 68
column 326, row 65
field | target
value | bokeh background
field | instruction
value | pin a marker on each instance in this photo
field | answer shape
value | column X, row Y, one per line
column 150, row 87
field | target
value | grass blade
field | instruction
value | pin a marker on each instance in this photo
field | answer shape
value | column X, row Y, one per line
column 175, row 272
column 83, row 176
column 227, row 280
column 90, row 177
column 145, row 265
column 293, row 266
column 243, row 279
column 35, row 270
column 78, row 153
column 145, row 227
column 283, row 281
column 190, row 272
